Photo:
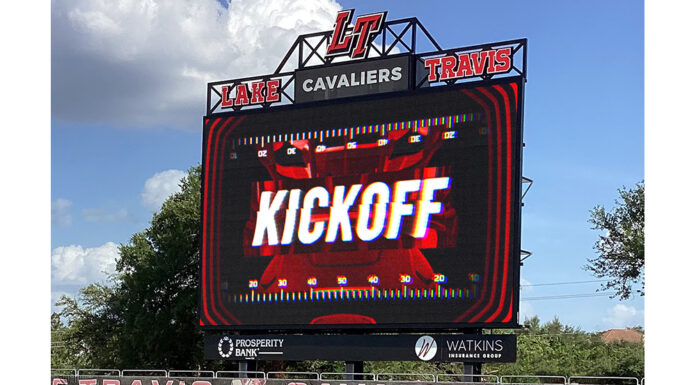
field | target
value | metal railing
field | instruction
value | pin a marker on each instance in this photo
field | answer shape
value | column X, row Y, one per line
column 62, row 371
column 410, row 377
column 190, row 373
column 239, row 374
column 478, row 379
column 144, row 372
column 598, row 380
column 342, row 376
column 532, row 379
column 105, row 372
column 403, row 378
column 292, row 375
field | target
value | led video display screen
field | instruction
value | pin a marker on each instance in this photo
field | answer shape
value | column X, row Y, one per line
column 397, row 212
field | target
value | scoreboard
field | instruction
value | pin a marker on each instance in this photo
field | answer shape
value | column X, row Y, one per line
column 396, row 212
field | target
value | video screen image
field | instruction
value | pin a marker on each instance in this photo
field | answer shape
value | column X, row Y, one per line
column 385, row 212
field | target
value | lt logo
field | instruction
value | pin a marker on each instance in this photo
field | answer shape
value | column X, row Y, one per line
column 355, row 42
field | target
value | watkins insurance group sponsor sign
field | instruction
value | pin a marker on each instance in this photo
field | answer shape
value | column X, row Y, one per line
column 453, row 348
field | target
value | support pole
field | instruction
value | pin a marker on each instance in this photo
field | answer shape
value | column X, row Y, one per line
column 354, row 367
column 471, row 370
column 246, row 366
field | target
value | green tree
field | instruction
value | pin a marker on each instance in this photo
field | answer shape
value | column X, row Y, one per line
column 147, row 317
column 158, row 286
column 64, row 354
column 553, row 348
column 90, row 336
column 620, row 249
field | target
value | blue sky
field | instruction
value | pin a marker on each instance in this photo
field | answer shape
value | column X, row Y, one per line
column 128, row 95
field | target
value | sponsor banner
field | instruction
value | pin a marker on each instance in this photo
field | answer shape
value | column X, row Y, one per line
column 353, row 79
column 437, row 348
column 479, row 348
column 150, row 380
column 142, row 380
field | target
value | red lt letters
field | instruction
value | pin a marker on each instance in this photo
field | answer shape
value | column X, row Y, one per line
column 469, row 64
column 244, row 96
column 354, row 43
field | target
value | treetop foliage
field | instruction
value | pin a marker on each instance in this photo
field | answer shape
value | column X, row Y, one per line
column 620, row 249
column 147, row 317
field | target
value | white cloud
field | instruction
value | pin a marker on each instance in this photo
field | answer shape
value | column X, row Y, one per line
column 147, row 62
column 77, row 265
column 60, row 212
column 159, row 187
column 525, row 287
column 99, row 215
column 526, row 310
column 622, row 316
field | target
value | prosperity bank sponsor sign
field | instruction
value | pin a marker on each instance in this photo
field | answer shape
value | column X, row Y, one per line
column 247, row 348
column 435, row 348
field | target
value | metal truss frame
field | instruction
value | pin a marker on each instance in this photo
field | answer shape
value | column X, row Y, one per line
column 397, row 37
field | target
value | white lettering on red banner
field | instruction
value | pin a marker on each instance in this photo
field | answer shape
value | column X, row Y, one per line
column 248, row 94
column 469, row 64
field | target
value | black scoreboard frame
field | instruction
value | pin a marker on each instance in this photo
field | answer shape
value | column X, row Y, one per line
column 405, row 39
column 410, row 327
